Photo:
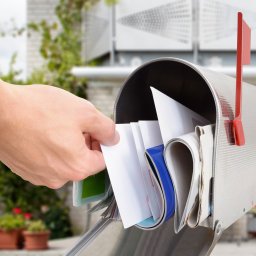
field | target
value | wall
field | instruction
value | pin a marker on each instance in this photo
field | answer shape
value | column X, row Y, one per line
column 38, row 10
column 103, row 95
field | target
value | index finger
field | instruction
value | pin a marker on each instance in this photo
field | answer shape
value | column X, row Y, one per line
column 101, row 128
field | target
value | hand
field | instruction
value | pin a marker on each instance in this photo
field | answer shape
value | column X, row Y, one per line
column 49, row 136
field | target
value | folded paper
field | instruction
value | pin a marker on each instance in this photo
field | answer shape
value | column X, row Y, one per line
column 147, row 134
column 174, row 118
column 189, row 161
column 127, row 181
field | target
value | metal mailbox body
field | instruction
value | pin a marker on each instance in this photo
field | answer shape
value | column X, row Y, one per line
column 213, row 96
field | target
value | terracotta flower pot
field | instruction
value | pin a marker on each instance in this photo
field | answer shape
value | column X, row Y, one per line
column 36, row 240
column 9, row 239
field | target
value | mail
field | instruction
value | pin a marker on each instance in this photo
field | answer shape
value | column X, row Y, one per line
column 161, row 168
column 189, row 161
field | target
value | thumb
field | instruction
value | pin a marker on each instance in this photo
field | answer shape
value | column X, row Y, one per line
column 101, row 128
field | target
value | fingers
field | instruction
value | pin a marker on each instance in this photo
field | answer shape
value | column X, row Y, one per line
column 95, row 145
column 99, row 127
column 94, row 162
column 87, row 139
column 91, row 163
column 91, row 143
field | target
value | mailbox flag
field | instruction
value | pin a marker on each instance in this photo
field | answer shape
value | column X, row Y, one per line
column 246, row 43
column 243, row 58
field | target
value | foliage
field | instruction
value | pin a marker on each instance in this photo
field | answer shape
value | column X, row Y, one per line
column 41, row 202
column 56, row 220
column 111, row 2
column 61, row 47
column 253, row 211
column 61, row 44
column 35, row 226
column 9, row 222
column 12, row 74
column 15, row 192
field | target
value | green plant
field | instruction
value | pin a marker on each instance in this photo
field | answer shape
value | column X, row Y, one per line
column 61, row 44
column 15, row 192
column 9, row 222
column 111, row 2
column 12, row 75
column 253, row 211
column 42, row 202
column 57, row 220
column 36, row 226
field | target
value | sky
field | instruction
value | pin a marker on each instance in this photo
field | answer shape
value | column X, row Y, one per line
column 12, row 10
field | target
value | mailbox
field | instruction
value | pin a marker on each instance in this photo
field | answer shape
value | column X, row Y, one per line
column 232, row 186
column 211, row 95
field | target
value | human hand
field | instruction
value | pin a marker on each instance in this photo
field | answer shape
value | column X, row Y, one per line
column 49, row 136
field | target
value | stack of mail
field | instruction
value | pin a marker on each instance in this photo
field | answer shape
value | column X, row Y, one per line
column 161, row 168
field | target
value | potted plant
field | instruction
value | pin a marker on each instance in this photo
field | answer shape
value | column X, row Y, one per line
column 36, row 235
column 10, row 230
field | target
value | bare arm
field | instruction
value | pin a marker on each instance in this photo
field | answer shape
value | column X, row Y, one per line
column 49, row 136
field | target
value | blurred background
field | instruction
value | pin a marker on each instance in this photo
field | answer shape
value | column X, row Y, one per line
column 89, row 47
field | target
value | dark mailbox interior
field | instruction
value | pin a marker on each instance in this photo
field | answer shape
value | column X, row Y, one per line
column 175, row 79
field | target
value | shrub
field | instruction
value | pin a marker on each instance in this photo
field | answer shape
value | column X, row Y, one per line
column 34, row 226
column 9, row 222
column 42, row 202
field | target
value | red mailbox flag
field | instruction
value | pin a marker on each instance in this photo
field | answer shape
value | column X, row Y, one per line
column 243, row 58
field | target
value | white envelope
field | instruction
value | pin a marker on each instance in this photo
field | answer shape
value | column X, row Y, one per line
column 151, row 189
column 126, row 178
column 174, row 118
column 151, row 136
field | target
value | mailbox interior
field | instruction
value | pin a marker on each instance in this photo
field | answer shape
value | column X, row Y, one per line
column 174, row 78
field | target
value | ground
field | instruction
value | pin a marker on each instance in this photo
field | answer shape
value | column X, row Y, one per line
column 58, row 248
